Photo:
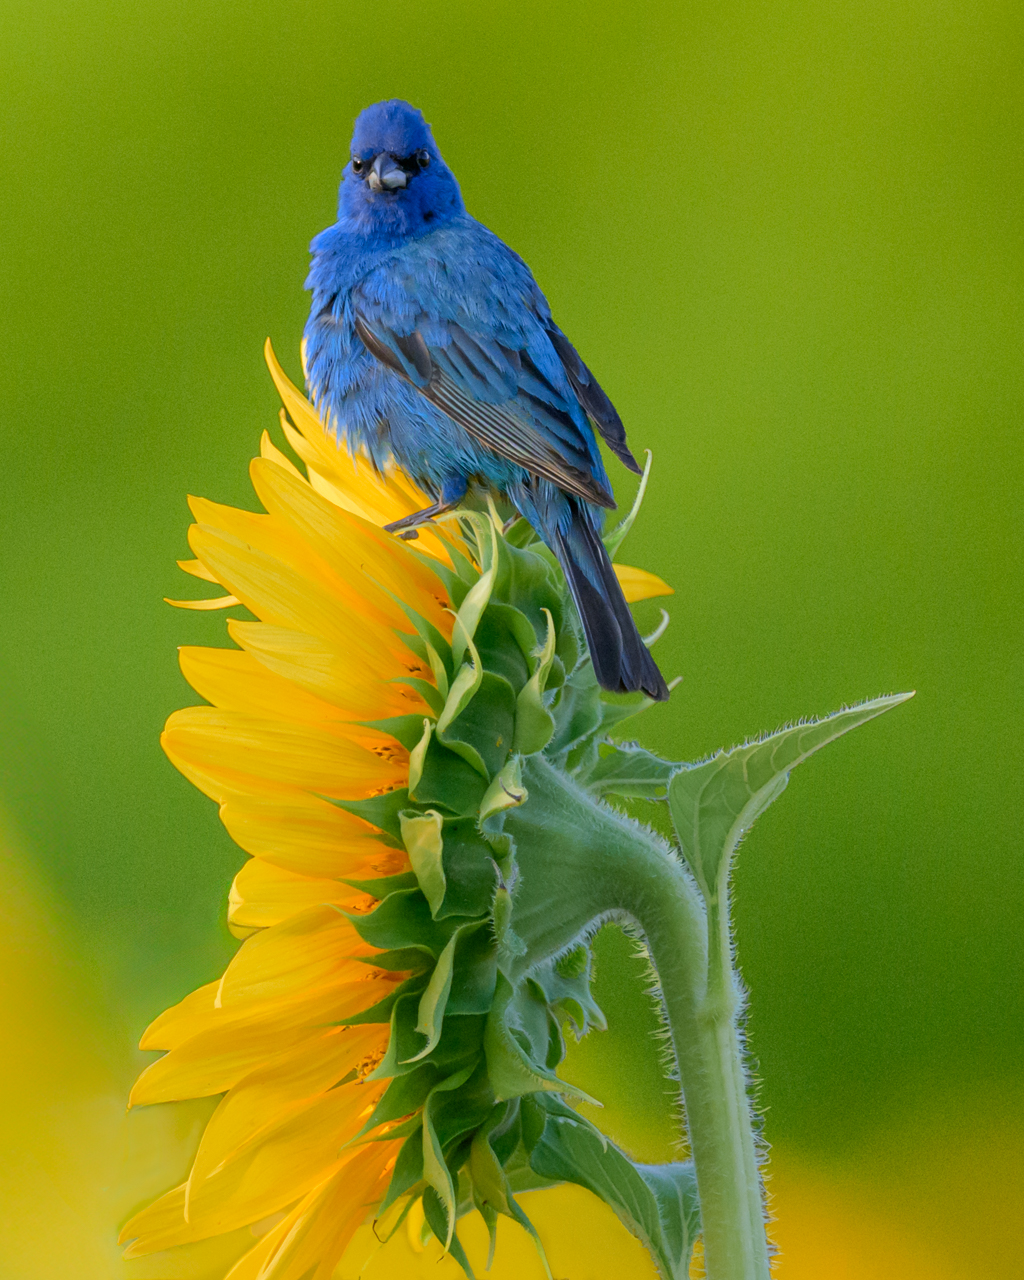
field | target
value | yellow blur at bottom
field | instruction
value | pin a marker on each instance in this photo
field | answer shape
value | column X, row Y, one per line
column 939, row 1198
column 582, row 1238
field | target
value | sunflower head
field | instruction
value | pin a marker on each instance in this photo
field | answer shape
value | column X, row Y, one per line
column 384, row 1038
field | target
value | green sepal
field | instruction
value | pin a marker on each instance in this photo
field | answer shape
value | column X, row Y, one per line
column 479, row 594
column 510, row 945
column 535, row 725
column 468, row 870
column 435, row 1170
column 443, row 1228
column 418, row 757
column 521, row 533
column 417, row 959
column 433, row 1001
column 578, row 712
column 505, row 641
column 432, row 696
column 511, row 1072
column 446, row 781
column 478, row 720
column 407, row 729
column 715, row 803
column 403, row 1039
column 421, row 835
column 660, row 1208
column 404, row 1095
column 505, row 792
column 566, row 986
column 460, row 1042
column 381, row 886
column 408, row 1170
column 379, row 811
column 383, row 1010
column 427, row 635
column 401, row 920
column 615, row 539
column 476, row 971
column 629, row 770
column 492, row 1191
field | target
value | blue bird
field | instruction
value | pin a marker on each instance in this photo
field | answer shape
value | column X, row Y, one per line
column 429, row 341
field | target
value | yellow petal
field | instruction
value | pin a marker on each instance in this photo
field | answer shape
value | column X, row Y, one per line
column 355, row 549
column 262, row 1098
column 157, row 1223
column 320, row 1236
column 302, row 833
column 217, row 602
column 315, row 759
column 281, row 592
column 238, row 1039
column 301, row 953
column 236, row 681
column 272, row 453
column 263, row 894
column 290, row 1157
column 346, row 481
column 361, row 686
column 197, row 570
column 638, row 584
column 182, row 1020
column 319, row 1228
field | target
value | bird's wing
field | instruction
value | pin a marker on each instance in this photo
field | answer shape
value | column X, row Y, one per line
column 496, row 391
column 592, row 397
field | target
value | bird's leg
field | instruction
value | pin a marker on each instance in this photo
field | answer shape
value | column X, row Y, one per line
column 452, row 493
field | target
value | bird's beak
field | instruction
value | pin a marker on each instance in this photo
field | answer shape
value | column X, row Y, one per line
column 385, row 174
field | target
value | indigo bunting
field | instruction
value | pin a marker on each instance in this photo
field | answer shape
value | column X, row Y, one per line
column 429, row 341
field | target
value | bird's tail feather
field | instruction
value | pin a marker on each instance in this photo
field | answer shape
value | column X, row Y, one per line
column 622, row 662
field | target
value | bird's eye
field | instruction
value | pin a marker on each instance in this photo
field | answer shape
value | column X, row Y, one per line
column 357, row 165
column 423, row 158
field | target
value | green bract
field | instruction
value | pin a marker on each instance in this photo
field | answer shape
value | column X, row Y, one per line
column 517, row 857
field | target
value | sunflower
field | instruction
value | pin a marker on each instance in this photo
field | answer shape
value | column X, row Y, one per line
column 332, row 744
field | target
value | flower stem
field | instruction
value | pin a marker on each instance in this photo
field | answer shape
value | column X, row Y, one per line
column 580, row 862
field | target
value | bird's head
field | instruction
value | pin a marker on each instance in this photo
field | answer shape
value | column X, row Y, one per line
column 396, row 183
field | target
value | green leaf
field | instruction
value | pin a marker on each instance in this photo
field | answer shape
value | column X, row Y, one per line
column 421, row 835
column 659, row 1208
column 713, row 804
column 629, row 770
column 535, row 724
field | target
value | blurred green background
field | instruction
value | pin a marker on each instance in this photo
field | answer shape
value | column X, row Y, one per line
column 788, row 238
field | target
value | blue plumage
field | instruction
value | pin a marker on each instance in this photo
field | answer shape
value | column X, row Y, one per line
column 429, row 340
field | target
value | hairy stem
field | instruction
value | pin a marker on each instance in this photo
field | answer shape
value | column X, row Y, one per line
column 582, row 862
